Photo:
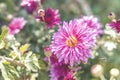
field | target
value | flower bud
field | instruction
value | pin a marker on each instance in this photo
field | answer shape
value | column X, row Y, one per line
column 111, row 16
column 9, row 17
column 114, row 72
column 97, row 70
column 47, row 51
column 41, row 12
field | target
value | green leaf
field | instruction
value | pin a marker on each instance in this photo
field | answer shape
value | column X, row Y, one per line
column 4, row 72
column 8, row 71
column 2, row 44
column 3, row 34
column 30, row 66
column 24, row 48
column 31, row 62
column 35, row 60
column 42, row 64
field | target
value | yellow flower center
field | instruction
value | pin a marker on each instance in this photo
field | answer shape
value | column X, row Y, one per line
column 71, row 41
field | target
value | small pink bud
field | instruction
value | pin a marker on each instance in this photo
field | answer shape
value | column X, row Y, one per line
column 47, row 51
column 49, row 16
column 97, row 70
column 41, row 12
column 111, row 16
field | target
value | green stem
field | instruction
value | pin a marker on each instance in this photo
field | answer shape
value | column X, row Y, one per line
column 102, row 77
column 112, row 78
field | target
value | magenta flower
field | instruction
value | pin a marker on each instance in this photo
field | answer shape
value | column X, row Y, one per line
column 58, row 70
column 73, row 42
column 30, row 5
column 51, row 17
column 69, row 76
column 47, row 49
column 115, row 25
column 16, row 25
column 93, row 23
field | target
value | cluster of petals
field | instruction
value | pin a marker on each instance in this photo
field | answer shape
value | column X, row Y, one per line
column 30, row 5
column 115, row 25
column 16, row 25
column 59, row 71
column 69, row 76
column 73, row 42
column 51, row 17
column 27, row 2
column 93, row 23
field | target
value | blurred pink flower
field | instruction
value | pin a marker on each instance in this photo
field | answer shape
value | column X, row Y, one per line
column 58, row 71
column 51, row 17
column 47, row 49
column 26, row 2
column 30, row 5
column 73, row 42
column 93, row 23
column 16, row 25
column 69, row 76
column 115, row 25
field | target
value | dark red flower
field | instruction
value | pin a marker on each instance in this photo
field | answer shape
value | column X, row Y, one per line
column 58, row 70
column 30, row 5
column 115, row 25
column 51, row 17
column 69, row 76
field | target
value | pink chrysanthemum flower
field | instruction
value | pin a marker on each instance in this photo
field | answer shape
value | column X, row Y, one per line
column 30, row 5
column 26, row 2
column 58, row 71
column 93, row 23
column 69, row 76
column 16, row 25
column 115, row 25
column 51, row 17
column 73, row 42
